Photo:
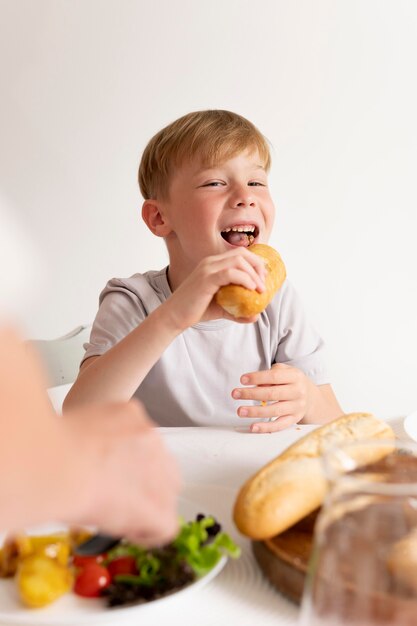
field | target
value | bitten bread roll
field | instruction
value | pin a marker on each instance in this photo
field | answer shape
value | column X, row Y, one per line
column 242, row 302
column 293, row 485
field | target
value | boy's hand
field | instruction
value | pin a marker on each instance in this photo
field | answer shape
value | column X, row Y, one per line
column 285, row 393
column 193, row 301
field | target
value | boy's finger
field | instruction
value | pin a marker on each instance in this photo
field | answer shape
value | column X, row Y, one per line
column 258, row 277
column 275, row 409
column 272, row 427
column 266, row 393
column 236, row 276
column 269, row 377
column 254, row 263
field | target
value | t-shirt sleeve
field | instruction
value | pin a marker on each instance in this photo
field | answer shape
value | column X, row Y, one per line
column 299, row 344
column 120, row 311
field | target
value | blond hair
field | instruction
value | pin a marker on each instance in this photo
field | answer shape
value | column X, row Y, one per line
column 214, row 135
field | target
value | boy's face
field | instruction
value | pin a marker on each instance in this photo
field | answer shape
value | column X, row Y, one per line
column 211, row 210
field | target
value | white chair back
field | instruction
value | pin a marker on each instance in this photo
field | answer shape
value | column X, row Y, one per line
column 62, row 356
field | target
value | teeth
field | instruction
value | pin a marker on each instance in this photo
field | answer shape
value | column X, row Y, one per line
column 240, row 229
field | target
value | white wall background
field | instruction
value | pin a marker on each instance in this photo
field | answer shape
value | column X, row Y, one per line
column 331, row 83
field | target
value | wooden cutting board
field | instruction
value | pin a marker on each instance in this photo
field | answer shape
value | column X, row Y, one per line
column 284, row 558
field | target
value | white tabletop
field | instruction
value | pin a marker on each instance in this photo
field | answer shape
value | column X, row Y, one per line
column 214, row 464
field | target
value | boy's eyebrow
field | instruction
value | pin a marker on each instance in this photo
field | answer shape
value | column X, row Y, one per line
column 213, row 167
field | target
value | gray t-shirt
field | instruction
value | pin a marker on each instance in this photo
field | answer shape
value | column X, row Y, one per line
column 191, row 384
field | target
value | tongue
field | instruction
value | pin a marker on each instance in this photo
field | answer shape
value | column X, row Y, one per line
column 238, row 239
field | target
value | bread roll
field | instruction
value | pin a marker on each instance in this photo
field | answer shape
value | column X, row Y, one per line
column 242, row 302
column 293, row 485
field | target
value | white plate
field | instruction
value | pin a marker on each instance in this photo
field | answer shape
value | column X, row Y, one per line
column 72, row 610
column 410, row 425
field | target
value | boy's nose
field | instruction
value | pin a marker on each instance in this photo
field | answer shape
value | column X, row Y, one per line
column 242, row 201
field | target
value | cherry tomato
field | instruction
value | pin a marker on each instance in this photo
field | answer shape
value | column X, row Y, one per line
column 81, row 561
column 122, row 565
column 91, row 580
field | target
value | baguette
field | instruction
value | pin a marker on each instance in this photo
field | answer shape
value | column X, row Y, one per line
column 293, row 485
column 242, row 302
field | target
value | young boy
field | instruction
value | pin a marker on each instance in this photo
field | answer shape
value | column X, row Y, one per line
column 161, row 337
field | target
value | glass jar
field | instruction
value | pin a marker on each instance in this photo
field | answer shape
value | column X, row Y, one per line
column 363, row 568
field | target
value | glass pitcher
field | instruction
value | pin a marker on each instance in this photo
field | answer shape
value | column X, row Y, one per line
column 363, row 568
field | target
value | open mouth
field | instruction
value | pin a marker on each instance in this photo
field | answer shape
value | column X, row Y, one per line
column 240, row 234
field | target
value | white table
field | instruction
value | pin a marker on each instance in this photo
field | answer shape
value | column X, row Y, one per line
column 218, row 461
column 214, row 464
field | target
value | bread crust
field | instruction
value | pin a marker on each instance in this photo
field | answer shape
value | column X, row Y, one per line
column 293, row 484
column 242, row 302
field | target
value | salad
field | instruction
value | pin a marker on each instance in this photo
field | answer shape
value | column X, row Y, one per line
column 46, row 567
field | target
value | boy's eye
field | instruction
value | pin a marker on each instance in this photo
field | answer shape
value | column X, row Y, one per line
column 213, row 183
column 220, row 183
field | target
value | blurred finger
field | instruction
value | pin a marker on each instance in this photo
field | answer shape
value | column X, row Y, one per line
column 156, row 534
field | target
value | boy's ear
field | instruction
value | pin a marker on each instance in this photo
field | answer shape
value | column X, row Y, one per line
column 155, row 219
